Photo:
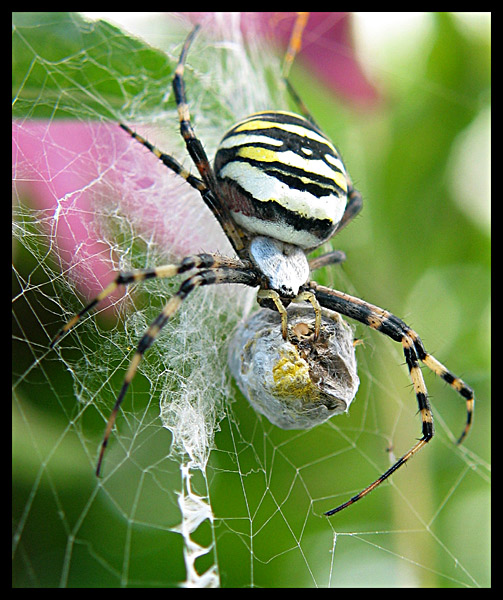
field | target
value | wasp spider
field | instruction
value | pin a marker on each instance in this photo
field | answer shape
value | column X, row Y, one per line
column 279, row 189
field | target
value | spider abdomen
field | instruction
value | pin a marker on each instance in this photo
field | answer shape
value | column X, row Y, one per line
column 282, row 178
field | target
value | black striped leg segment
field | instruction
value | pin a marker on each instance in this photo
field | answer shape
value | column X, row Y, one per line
column 204, row 277
column 414, row 351
column 196, row 150
column 167, row 160
column 194, row 146
column 198, row 261
column 207, row 195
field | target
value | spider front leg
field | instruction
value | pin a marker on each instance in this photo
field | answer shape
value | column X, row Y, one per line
column 414, row 351
column 196, row 150
column 209, row 198
column 207, row 185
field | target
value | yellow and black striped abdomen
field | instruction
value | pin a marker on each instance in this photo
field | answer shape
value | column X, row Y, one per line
column 282, row 178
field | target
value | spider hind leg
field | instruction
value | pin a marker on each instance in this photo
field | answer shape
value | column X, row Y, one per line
column 383, row 321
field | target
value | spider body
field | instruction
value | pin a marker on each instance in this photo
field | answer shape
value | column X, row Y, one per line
column 278, row 189
column 286, row 188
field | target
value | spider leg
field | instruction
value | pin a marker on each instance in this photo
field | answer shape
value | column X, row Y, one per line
column 167, row 160
column 330, row 258
column 308, row 296
column 294, row 47
column 197, row 261
column 378, row 481
column 355, row 200
column 207, row 195
column 205, row 277
column 196, row 150
column 295, row 43
column 353, row 207
column 414, row 351
column 206, row 186
column 272, row 295
column 194, row 146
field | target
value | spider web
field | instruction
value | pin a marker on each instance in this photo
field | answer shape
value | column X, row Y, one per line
column 209, row 493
